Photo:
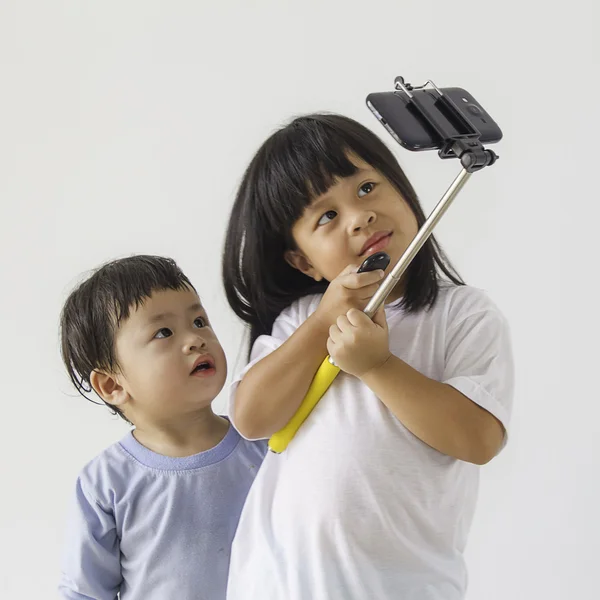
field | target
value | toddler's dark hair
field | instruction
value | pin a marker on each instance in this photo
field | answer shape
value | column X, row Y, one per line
column 93, row 311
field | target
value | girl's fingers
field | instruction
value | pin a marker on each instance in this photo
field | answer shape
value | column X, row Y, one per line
column 357, row 318
column 342, row 323
column 334, row 333
column 355, row 281
column 366, row 293
column 379, row 318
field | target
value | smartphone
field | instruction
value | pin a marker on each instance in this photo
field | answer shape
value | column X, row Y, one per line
column 411, row 130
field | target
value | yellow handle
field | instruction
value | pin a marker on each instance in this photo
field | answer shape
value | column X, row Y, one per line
column 322, row 380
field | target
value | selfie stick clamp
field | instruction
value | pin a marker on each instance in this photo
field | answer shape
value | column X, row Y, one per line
column 464, row 145
column 473, row 157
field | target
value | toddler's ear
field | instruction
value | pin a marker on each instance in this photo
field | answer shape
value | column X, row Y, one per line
column 108, row 388
column 296, row 259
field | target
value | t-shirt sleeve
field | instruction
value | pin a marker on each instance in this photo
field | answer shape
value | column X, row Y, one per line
column 479, row 358
column 283, row 327
column 91, row 565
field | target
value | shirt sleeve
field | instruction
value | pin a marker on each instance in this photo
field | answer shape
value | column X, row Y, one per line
column 91, row 565
column 479, row 358
column 283, row 327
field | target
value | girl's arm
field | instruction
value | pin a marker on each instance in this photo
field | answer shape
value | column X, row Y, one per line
column 272, row 390
column 435, row 412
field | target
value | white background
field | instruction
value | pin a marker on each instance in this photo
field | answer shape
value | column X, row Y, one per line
column 125, row 128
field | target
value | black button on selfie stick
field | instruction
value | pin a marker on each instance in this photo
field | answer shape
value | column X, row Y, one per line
column 379, row 260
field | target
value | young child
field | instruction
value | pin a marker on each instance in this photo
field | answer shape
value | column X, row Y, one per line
column 153, row 515
column 374, row 496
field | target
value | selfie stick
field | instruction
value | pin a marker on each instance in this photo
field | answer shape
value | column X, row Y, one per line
column 473, row 157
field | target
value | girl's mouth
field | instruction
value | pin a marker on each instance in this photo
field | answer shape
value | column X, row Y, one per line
column 376, row 243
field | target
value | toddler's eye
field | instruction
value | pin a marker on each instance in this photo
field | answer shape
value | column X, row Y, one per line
column 330, row 214
column 200, row 322
column 366, row 188
column 165, row 332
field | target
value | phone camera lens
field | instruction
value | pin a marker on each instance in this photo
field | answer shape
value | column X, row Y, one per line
column 474, row 110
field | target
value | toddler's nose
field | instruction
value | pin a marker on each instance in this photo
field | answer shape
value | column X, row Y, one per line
column 194, row 344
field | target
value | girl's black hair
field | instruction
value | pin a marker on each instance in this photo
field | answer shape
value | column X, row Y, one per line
column 94, row 310
column 299, row 162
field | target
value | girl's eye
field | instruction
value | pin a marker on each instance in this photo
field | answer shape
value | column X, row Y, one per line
column 327, row 217
column 200, row 322
column 165, row 332
column 366, row 188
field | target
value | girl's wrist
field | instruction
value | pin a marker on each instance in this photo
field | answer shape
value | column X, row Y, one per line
column 319, row 323
column 376, row 370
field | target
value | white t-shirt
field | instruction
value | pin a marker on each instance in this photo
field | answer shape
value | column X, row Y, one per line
column 357, row 507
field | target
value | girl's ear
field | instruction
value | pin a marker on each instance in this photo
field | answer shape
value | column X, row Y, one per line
column 296, row 259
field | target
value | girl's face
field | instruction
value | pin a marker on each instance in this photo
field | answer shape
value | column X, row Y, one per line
column 358, row 216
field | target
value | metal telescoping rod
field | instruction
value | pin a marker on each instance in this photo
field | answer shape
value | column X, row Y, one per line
column 422, row 236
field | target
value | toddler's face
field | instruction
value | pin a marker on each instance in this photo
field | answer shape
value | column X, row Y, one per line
column 171, row 362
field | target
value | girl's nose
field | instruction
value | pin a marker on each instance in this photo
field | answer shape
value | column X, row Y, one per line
column 362, row 219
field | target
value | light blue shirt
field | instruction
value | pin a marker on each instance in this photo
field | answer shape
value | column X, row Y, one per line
column 151, row 527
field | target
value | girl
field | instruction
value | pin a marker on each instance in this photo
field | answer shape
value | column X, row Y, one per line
column 375, row 495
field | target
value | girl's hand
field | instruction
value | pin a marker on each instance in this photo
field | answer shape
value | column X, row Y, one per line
column 348, row 290
column 358, row 344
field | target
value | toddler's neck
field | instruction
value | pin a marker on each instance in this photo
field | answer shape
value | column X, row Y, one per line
column 192, row 435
